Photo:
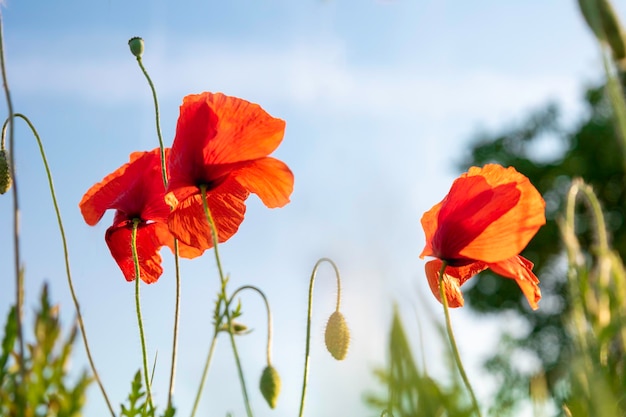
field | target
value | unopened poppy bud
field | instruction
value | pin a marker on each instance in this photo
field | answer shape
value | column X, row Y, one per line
column 337, row 336
column 5, row 173
column 136, row 46
column 237, row 328
column 270, row 385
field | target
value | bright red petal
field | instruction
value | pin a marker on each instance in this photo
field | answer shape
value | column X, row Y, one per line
column 520, row 269
column 453, row 278
column 509, row 233
column 135, row 189
column 268, row 178
column 469, row 208
column 429, row 224
column 119, row 241
column 188, row 222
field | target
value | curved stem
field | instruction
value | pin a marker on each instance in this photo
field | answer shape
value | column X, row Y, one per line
column 144, row 353
column 66, row 255
column 176, row 255
column 453, row 345
column 308, row 324
column 157, row 117
column 19, row 282
column 269, row 316
column 223, row 281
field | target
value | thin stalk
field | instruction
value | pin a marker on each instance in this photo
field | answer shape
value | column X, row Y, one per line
column 268, row 350
column 66, row 255
column 157, row 118
column 453, row 345
column 307, row 348
column 176, row 322
column 205, row 372
column 223, row 281
column 144, row 353
column 19, row 282
column 176, row 255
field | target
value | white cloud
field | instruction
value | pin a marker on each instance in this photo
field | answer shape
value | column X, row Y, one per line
column 312, row 76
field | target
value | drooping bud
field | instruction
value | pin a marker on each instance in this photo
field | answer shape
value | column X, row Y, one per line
column 337, row 336
column 136, row 46
column 5, row 172
column 270, row 385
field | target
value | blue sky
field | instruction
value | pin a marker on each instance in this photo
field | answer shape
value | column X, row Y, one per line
column 380, row 98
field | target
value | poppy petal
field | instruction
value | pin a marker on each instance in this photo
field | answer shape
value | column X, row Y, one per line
column 268, row 178
column 509, row 233
column 520, row 269
column 451, row 286
column 227, row 129
column 468, row 209
column 167, row 239
column 453, row 278
column 188, row 223
column 118, row 239
column 429, row 224
column 135, row 189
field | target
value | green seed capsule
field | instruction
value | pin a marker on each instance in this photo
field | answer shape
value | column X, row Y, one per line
column 337, row 336
column 270, row 385
column 5, row 173
column 136, row 46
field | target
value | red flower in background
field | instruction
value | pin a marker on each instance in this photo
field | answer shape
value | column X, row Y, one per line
column 222, row 143
column 488, row 217
column 135, row 191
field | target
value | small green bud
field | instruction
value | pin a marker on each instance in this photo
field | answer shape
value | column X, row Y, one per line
column 236, row 328
column 270, row 385
column 5, row 173
column 136, row 46
column 337, row 336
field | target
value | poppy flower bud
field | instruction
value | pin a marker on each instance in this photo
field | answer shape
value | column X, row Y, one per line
column 270, row 385
column 337, row 336
column 5, row 173
column 136, row 46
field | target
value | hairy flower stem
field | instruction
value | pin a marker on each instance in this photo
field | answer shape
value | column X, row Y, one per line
column 176, row 255
column 19, row 281
column 308, row 324
column 224, row 296
column 455, row 349
column 144, row 353
column 68, row 272
column 157, row 118
column 205, row 371
column 268, row 351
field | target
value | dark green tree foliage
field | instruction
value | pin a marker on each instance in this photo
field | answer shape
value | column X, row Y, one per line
column 410, row 391
column 590, row 150
column 43, row 388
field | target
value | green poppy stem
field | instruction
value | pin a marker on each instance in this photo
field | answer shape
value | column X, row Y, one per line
column 176, row 255
column 453, row 345
column 66, row 255
column 205, row 371
column 144, row 353
column 307, row 349
column 268, row 351
column 19, row 281
column 223, row 280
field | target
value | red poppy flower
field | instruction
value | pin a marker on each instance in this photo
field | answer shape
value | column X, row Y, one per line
column 223, row 143
column 485, row 221
column 135, row 191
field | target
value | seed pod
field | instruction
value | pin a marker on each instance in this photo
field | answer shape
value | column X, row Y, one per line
column 270, row 385
column 136, row 46
column 337, row 336
column 5, row 173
